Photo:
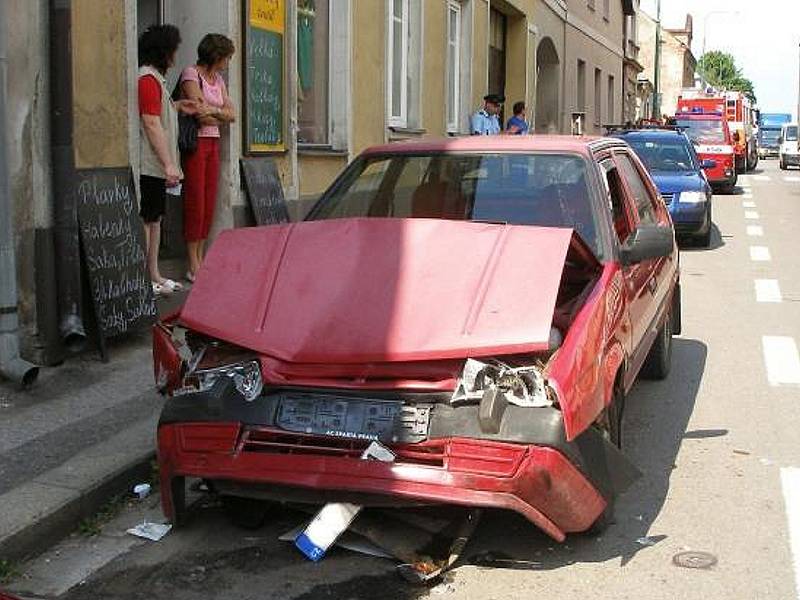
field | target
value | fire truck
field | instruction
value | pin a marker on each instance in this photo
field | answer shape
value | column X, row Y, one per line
column 737, row 110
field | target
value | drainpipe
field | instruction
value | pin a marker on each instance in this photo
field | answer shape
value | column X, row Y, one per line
column 11, row 365
column 69, row 278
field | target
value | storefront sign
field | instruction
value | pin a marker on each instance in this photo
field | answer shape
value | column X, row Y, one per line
column 264, row 77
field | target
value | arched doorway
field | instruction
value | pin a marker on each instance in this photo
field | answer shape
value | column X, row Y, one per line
column 548, row 85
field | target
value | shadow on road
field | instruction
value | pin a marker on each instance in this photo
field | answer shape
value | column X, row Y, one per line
column 657, row 414
column 717, row 242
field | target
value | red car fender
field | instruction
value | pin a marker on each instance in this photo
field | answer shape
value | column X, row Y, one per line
column 584, row 369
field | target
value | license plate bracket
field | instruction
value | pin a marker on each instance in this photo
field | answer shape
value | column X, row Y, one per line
column 388, row 421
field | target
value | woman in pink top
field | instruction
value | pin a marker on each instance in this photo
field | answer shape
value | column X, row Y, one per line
column 203, row 82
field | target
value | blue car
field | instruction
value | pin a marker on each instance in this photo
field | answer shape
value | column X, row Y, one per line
column 679, row 174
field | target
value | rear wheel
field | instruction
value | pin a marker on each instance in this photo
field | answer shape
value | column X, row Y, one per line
column 782, row 164
column 704, row 239
column 659, row 360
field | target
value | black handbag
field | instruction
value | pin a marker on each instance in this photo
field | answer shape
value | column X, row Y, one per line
column 188, row 126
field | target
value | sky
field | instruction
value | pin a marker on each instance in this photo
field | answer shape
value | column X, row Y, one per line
column 763, row 36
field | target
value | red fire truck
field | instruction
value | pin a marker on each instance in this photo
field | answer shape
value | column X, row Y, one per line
column 737, row 110
column 713, row 142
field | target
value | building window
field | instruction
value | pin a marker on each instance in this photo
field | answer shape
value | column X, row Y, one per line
column 581, row 85
column 313, row 52
column 611, row 93
column 598, row 92
column 453, row 65
column 398, row 63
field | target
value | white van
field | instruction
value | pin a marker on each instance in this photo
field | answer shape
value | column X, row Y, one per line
column 789, row 153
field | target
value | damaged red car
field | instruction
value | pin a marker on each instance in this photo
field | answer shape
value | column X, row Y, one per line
column 481, row 306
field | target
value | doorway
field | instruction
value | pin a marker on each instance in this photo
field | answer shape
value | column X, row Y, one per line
column 548, row 83
column 498, row 28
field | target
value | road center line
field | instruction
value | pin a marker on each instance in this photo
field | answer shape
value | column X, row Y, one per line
column 760, row 254
column 790, row 482
column 750, row 214
column 781, row 360
column 792, row 178
column 762, row 178
column 748, row 204
column 755, row 230
column 768, row 290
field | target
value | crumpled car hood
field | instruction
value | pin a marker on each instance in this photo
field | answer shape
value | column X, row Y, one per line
column 381, row 290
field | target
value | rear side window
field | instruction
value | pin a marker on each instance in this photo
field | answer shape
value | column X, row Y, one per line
column 641, row 197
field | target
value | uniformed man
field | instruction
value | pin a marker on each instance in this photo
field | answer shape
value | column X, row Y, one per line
column 486, row 121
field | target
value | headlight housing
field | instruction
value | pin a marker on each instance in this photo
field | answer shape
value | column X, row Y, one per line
column 692, row 197
column 246, row 377
column 524, row 385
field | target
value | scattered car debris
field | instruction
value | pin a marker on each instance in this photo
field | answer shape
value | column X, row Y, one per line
column 741, row 452
column 651, row 540
column 142, row 490
column 694, row 559
column 335, row 517
column 150, row 531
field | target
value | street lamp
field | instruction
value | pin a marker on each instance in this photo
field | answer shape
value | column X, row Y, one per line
column 705, row 28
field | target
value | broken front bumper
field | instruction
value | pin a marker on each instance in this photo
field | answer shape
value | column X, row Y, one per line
column 527, row 466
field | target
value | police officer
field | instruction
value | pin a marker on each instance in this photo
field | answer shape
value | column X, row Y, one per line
column 486, row 121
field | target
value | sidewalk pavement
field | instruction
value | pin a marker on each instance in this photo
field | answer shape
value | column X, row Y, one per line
column 82, row 434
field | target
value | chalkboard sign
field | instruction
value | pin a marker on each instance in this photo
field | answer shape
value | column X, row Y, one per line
column 113, row 250
column 264, row 76
column 264, row 190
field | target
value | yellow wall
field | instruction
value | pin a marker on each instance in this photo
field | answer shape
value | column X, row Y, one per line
column 317, row 171
column 434, row 67
column 369, row 67
column 99, row 70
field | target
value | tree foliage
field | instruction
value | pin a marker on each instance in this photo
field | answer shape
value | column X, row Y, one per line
column 719, row 69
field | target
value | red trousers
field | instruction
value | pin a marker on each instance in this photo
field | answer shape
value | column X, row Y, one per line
column 200, row 182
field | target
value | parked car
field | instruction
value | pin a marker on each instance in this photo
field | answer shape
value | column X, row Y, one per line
column 789, row 153
column 714, row 142
column 679, row 173
column 479, row 305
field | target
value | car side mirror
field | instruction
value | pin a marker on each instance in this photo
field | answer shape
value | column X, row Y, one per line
column 646, row 242
column 708, row 163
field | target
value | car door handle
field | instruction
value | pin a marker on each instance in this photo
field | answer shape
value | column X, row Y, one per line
column 652, row 285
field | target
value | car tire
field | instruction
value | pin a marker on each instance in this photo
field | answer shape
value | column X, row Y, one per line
column 782, row 164
column 659, row 359
column 245, row 513
column 614, row 418
column 704, row 239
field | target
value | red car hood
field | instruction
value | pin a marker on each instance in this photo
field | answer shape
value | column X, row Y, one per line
column 381, row 290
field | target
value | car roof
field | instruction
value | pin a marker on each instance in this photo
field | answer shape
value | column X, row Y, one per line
column 497, row 143
column 648, row 132
column 699, row 116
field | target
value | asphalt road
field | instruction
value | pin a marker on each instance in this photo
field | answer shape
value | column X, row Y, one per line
column 717, row 441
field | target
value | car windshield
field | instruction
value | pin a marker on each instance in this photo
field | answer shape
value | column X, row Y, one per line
column 522, row 189
column 791, row 133
column 664, row 155
column 770, row 136
column 703, row 131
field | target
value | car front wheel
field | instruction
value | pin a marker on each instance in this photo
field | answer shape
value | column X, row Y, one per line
column 659, row 360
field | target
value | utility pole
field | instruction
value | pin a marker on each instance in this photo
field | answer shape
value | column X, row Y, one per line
column 657, row 72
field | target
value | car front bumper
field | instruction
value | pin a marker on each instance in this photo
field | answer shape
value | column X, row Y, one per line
column 791, row 159
column 690, row 219
column 527, row 466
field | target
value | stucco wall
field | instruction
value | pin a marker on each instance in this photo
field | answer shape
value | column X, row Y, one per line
column 28, row 139
column 369, row 84
column 100, row 83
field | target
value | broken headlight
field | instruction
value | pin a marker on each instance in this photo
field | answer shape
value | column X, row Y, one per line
column 246, row 377
column 520, row 385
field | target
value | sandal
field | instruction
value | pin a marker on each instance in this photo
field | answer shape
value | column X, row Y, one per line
column 189, row 276
column 161, row 290
column 173, row 286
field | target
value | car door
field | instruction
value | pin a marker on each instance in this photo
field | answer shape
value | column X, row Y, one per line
column 653, row 278
column 624, row 222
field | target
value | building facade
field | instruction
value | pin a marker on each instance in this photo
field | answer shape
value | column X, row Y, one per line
column 677, row 64
column 335, row 76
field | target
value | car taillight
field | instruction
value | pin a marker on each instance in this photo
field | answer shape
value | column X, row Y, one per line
column 728, row 162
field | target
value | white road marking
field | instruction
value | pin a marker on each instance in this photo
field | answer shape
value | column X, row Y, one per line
column 790, row 482
column 750, row 214
column 755, row 230
column 748, row 204
column 746, row 189
column 768, row 290
column 747, row 196
column 759, row 254
column 762, row 178
column 781, row 359
column 792, row 178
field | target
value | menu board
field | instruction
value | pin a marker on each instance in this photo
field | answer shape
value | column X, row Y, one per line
column 112, row 244
column 264, row 190
column 264, row 77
